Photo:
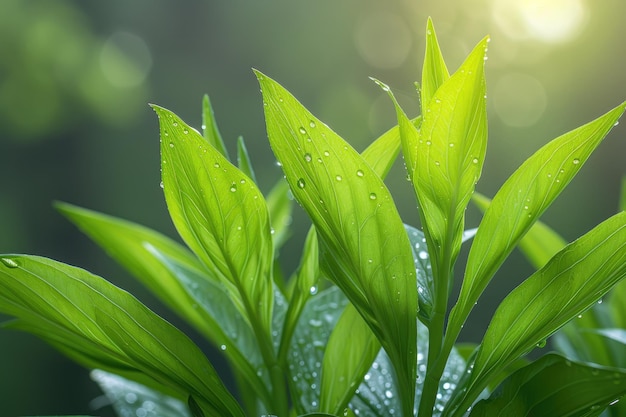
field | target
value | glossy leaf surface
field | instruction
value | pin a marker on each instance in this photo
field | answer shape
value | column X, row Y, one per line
column 570, row 283
column 555, row 386
column 521, row 200
column 367, row 251
column 97, row 318
column 221, row 215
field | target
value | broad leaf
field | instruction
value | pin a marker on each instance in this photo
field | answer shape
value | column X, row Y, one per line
column 357, row 222
column 129, row 398
column 569, row 284
column 102, row 318
column 221, row 215
column 521, row 201
column 307, row 348
column 346, row 360
column 434, row 70
column 555, row 386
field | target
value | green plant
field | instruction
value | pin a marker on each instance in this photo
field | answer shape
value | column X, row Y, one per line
column 362, row 327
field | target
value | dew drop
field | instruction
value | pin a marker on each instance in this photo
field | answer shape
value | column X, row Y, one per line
column 312, row 124
column 428, row 143
column 423, row 254
column 216, row 165
column 437, row 163
column 175, row 124
column 130, row 398
column 307, row 157
column 388, row 394
column 223, row 347
column 475, row 160
column 326, row 153
column 301, row 183
column 451, row 145
column 319, row 160
column 338, row 178
column 373, row 196
column 186, row 131
column 10, row 263
column 359, row 173
column 302, row 130
column 233, row 188
column 576, row 161
column 161, row 184
column 171, row 144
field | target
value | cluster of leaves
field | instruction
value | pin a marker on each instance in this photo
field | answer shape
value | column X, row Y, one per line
column 362, row 327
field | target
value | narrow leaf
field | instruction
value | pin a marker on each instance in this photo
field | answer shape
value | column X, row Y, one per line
column 209, row 127
column 521, row 201
column 555, row 386
column 243, row 159
column 346, row 360
column 569, row 284
column 280, row 208
column 356, row 220
column 306, row 352
column 539, row 244
column 434, row 70
column 221, row 215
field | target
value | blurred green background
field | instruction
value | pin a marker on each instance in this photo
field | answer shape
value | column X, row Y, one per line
column 76, row 77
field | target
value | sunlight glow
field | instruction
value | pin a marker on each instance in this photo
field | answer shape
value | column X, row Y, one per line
column 547, row 21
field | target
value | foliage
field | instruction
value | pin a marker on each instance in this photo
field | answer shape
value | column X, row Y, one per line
column 362, row 327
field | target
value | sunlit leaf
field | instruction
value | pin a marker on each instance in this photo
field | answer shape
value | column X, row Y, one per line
column 356, row 220
column 434, row 70
column 519, row 203
column 569, row 284
column 539, row 244
column 105, row 319
column 555, row 386
column 209, row 127
column 221, row 215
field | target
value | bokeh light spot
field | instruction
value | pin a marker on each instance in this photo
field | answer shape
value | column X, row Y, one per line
column 125, row 59
column 383, row 39
column 519, row 99
column 547, row 21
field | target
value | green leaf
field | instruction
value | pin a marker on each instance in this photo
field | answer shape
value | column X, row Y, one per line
column 130, row 245
column 377, row 395
column 619, row 335
column 280, row 208
column 434, row 70
column 521, row 201
column 243, row 159
column 622, row 195
column 102, row 318
column 209, row 127
column 129, row 398
column 174, row 275
column 351, row 349
column 306, row 351
column 444, row 160
column 221, row 215
column 539, row 244
column 425, row 280
column 555, row 386
column 357, row 222
column 570, row 283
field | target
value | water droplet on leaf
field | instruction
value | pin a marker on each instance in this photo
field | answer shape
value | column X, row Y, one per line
column 373, row 196
column 8, row 262
column 301, row 183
